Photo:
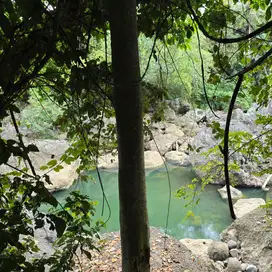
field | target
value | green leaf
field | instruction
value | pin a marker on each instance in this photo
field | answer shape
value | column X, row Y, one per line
column 44, row 167
column 4, row 152
column 32, row 148
column 268, row 13
column 60, row 225
column 58, row 168
column 52, row 163
column 11, row 142
column 47, row 179
column 14, row 108
column 189, row 34
column 88, row 254
column 5, row 25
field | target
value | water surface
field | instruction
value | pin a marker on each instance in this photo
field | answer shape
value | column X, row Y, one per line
column 211, row 214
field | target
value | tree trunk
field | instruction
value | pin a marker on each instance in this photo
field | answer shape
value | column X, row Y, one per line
column 129, row 117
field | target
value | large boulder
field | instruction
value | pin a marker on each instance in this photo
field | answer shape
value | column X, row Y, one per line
column 163, row 142
column 218, row 251
column 235, row 193
column 244, row 206
column 198, row 247
column 234, row 265
column 50, row 150
column 153, row 159
column 253, row 233
column 178, row 106
column 177, row 158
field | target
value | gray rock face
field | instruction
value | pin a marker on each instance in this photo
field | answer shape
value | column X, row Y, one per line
column 256, row 240
column 165, row 136
column 234, row 265
column 235, row 193
column 204, row 140
column 218, row 251
column 244, row 206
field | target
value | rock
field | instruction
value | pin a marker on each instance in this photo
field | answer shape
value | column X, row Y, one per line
column 169, row 115
column 251, row 268
column 198, row 247
column 218, row 251
column 235, row 193
column 177, row 158
column 234, row 252
column 234, row 265
column 220, row 263
column 242, row 178
column 50, row 150
column 153, row 159
column 232, row 244
column 178, row 106
column 173, row 130
column 108, row 161
column 244, row 266
column 163, row 142
column 256, row 240
column 244, row 206
column 64, row 178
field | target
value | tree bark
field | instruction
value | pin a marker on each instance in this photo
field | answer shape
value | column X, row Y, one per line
column 129, row 118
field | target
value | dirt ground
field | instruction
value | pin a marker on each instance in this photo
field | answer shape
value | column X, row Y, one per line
column 167, row 255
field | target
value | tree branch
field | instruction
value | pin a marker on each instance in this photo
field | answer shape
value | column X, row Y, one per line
column 227, row 40
column 226, row 143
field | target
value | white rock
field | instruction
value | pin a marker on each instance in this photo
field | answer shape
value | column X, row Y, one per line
column 244, row 206
column 177, row 158
column 198, row 247
column 234, row 265
column 174, row 130
column 153, row 159
column 235, row 193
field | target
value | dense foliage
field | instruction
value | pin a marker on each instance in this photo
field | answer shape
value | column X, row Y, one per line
column 60, row 49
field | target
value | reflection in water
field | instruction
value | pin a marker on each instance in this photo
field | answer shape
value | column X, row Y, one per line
column 206, row 231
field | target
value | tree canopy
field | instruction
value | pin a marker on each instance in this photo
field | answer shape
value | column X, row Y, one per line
column 50, row 48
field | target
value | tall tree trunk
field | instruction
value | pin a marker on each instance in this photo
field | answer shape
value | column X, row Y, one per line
column 129, row 117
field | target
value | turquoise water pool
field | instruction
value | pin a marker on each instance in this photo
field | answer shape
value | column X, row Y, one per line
column 211, row 214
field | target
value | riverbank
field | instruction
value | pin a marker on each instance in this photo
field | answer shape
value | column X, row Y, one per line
column 167, row 255
column 244, row 247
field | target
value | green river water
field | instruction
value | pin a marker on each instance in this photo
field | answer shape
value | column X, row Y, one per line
column 211, row 214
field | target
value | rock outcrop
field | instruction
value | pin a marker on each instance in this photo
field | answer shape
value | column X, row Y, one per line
column 49, row 150
column 244, row 206
column 253, row 233
column 235, row 193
